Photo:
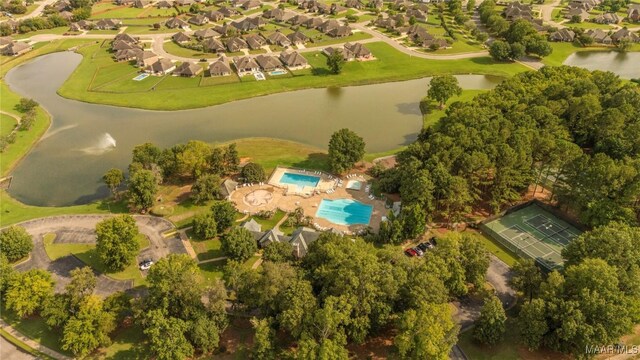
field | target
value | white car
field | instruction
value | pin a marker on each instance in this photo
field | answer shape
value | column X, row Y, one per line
column 146, row 264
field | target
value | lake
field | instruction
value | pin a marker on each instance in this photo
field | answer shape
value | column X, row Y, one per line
column 626, row 65
column 85, row 140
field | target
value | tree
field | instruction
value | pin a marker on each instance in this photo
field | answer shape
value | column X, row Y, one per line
column 296, row 306
column 263, row 343
column 526, row 278
column 6, row 273
column 239, row 244
column 206, row 188
column 142, row 189
column 167, row 336
column 490, row 326
column 15, row 243
column 278, row 252
column 89, row 328
column 205, row 334
column 192, row 161
column 117, row 241
column 27, row 291
column 25, row 105
column 146, row 154
column 231, row 159
column 225, row 214
column 517, row 50
column 538, row 45
column 346, row 148
column 335, row 62
column 81, row 286
column 253, row 173
column 55, row 310
column 623, row 45
column 205, row 226
column 442, row 88
column 532, row 323
column 414, row 221
column 113, row 178
column 475, row 260
column 500, row 50
column 427, row 332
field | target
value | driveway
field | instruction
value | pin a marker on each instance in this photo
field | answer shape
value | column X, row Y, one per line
column 80, row 229
column 11, row 352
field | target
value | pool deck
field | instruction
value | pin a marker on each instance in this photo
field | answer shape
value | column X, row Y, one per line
column 287, row 201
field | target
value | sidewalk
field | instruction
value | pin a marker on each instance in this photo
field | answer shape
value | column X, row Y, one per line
column 31, row 343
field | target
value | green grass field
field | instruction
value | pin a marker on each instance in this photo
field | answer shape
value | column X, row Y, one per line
column 7, row 124
column 268, row 224
column 24, row 347
column 391, row 65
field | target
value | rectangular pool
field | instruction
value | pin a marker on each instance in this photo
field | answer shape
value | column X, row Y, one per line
column 345, row 212
column 141, row 77
column 300, row 180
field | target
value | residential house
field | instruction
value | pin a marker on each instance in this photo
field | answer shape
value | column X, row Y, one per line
column 127, row 54
column 624, row 34
column 313, row 23
column 146, row 58
column 254, row 228
column 184, row 2
column 435, row 43
column 337, row 9
column 608, row 18
column 140, row 4
column 126, row 38
column 417, row 14
column 298, row 38
column 301, row 239
column 67, row 15
column 228, row 12
column 328, row 25
column 340, row 32
column 214, row 15
column 255, row 41
column 346, row 54
column 375, row 4
column 633, row 13
column 176, row 23
column 5, row 41
column 181, row 38
column 278, row 15
column 16, row 48
column 236, row 44
column 354, row 4
column 297, row 20
column 161, row 67
column 212, row 45
column 268, row 63
column 123, row 45
column 250, row 4
column 599, row 36
column 188, row 69
column 515, row 10
column 249, row 24
column 199, row 20
column 206, row 33
column 564, row 35
column 221, row 68
column 245, row 65
column 577, row 12
column 164, row 4
column 359, row 51
column 400, row 5
column 277, row 38
column 293, row 60
column 108, row 24
column 584, row 4
column 271, row 236
column 62, row 5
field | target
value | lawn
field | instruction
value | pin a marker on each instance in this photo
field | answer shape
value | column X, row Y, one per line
column 87, row 253
column 273, row 152
column 7, row 124
column 127, row 343
column 268, row 224
column 24, row 347
column 212, row 270
column 35, row 328
column 391, row 65
column 175, row 49
column 206, row 249
column 496, row 249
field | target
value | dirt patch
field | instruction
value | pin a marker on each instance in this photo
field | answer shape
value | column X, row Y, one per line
column 237, row 337
column 376, row 348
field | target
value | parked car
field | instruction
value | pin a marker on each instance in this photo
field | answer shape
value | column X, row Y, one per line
column 146, row 264
column 433, row 241
column 410, row 252
column 425, row 246
column 418, row 251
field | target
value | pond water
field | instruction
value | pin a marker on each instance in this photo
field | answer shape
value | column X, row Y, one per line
column 626, row 65
column 85, row 140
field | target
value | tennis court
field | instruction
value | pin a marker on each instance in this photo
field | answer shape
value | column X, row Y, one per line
column 535, row 233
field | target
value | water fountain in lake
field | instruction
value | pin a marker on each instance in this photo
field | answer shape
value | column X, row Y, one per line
column 105, row 143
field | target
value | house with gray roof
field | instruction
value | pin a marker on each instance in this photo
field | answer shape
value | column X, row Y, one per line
column 340, row 31
column 221, row 67
column 164, row 4
column 146, row 58
column 236, row 44
column 188, row 69
column 293, row 60
column 127, row 54
column 301, row 239
column 255, row 41
column 228, row 186
column 359, row 51
column 599, row 36
column 564, row 35
column 254, row 228
column 268, row 63
column 271, row 236
column 161, row 67
column 214, row 15
column 16, row 48
column 180, row 38
column 206, row 33
column 298, row 20
column 212, row 45
column 346, row 54
column 199, row 20
column 108, row 24
column 175, row 23
column 298, row 38
column 277, row 38
column 624, row 34
column 245, row 65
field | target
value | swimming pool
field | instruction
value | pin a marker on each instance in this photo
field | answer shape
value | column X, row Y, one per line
column 354, row 185
column 300, row 180
column 277, row 72
column 141, row 77
column 345, row 211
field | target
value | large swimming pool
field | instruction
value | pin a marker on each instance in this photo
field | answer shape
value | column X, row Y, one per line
column 345, row 212
column 300, row 180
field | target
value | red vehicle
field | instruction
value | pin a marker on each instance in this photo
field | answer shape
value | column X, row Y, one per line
column 410, row 252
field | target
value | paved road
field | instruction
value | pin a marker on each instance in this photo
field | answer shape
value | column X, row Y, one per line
column 11, row 352
column 79, row 229
column 36, row 12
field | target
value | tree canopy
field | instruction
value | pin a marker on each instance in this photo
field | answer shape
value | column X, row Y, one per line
column 15, row 243
column 117, row 241
column 442, row 88
column 346, row 148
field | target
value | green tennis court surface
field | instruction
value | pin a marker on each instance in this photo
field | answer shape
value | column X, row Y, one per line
column 533, row 232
